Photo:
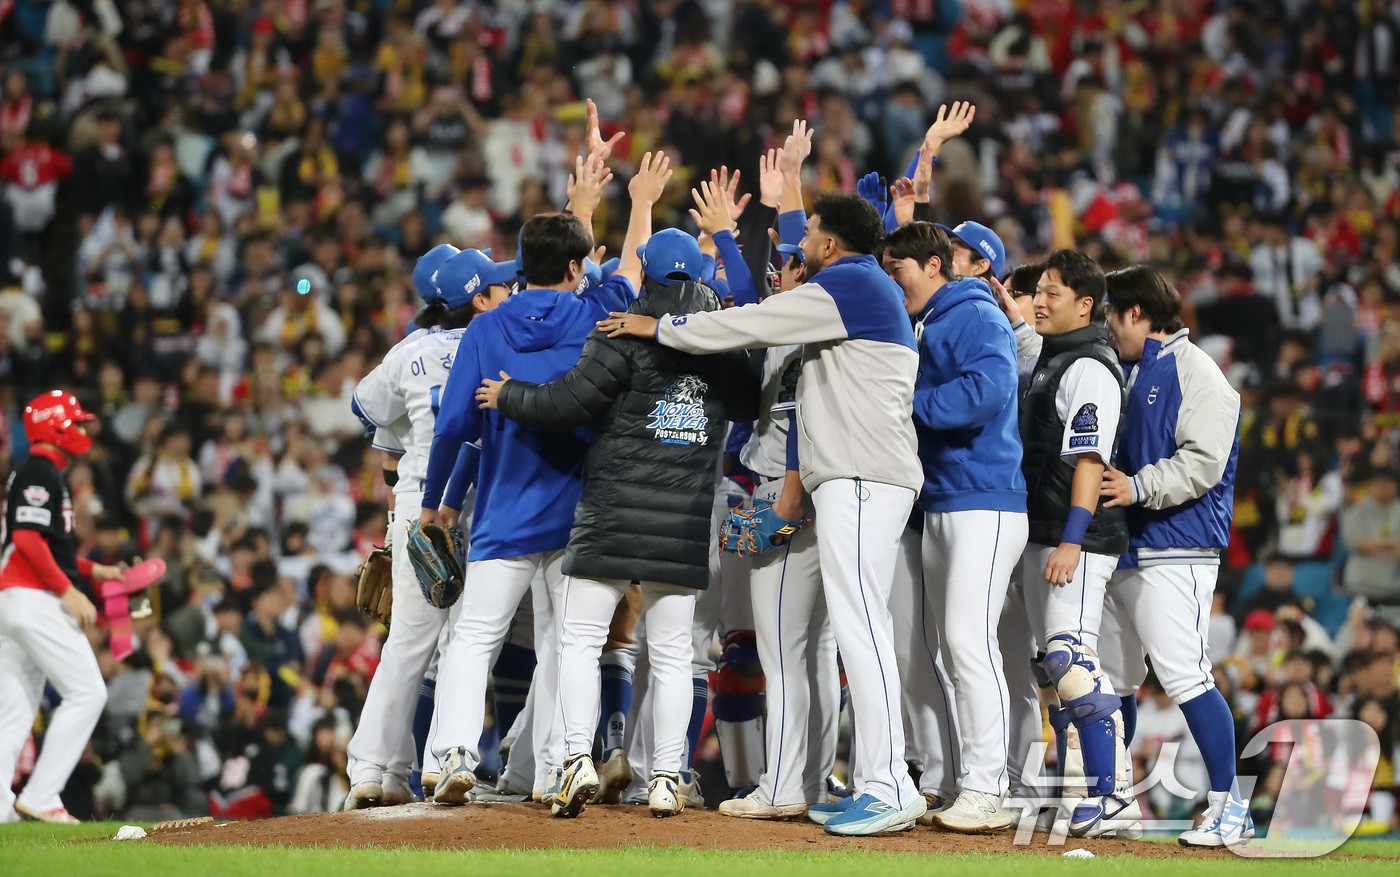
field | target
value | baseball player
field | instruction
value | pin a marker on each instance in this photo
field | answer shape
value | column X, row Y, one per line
column 1175, row 475
column 1070, row 427
column 973, row 500
column 400, row 396
column 45, row 602
column 793, row 635
column 529, row 481
column 858, row 457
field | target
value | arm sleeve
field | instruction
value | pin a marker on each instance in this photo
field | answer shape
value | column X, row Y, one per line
column 386, row 440
column 1089, row 401
column 34, row 548
column 792, row 460
column 458, row 421
column 572, row 399
column 1028, row 343
column 985, row 382
column 923, row 211
column 802, row 315
column 792, row 226
column 464, row 474
column 736, row 270
column 442, row 457
column 614, row 294
column 1206, row 427
column 758, row 250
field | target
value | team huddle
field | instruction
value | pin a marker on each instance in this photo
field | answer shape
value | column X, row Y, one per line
column 846, row 449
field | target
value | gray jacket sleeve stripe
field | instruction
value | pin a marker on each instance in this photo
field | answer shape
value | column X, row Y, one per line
column 803, row 315
column 1205, row 433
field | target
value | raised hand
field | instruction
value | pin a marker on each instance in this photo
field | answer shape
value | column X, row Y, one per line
column 948, row 124
column 795, row 149
column 594, row 141
column 730, row 187
column 714, row 215
column 770, row 178
column 586, row 184
column 902, row 199
column 651, row 179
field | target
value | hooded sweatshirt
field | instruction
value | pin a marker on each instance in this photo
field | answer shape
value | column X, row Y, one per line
column 528, row 481
column 965, row 411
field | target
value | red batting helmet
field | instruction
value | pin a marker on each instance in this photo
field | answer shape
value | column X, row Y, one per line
column 53, row 419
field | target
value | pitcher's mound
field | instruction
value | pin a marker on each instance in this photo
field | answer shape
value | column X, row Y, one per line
column 529, row 826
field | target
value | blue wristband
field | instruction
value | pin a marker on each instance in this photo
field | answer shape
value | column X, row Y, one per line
column 1076, row 524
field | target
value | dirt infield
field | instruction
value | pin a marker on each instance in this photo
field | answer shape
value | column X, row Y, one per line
column 529, row 826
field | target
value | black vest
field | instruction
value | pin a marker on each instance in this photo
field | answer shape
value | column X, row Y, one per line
column 1048, row 475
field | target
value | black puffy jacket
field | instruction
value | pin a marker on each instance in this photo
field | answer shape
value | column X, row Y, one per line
column 659, row 419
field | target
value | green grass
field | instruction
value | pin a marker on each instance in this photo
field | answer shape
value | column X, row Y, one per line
column 42, row 850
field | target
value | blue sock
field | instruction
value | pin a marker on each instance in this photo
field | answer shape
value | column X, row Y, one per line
column 699, row 704
column 615, row 698
column 1129, row 710
column 510, row 679
column 1213, row 728
column 422, row 720
column 1099, row 745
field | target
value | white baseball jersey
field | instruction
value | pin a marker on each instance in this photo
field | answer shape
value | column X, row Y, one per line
column 765, row 453
column 1089, row 400
column 404, row 389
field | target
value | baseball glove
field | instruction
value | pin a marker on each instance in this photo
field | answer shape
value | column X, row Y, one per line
column 374, row 590
column 433, row 551
column 752, row 532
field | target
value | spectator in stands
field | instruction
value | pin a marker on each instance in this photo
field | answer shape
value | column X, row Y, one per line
column 1371, row 532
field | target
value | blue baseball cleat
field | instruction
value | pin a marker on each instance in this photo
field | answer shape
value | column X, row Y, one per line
column 869, row 815
column 821, row 814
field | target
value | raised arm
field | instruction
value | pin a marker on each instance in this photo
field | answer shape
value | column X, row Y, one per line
column 645, row 188
column 716, row 220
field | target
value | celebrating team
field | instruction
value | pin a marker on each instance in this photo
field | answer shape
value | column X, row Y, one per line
column 983, row 491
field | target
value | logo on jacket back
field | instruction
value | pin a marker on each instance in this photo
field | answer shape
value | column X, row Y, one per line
column 36, row 495
column 1152, row 396
column 680, row 417
column 1086, row 419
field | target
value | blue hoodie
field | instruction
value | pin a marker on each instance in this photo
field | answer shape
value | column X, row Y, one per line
column 528, row 481
column 965, row 408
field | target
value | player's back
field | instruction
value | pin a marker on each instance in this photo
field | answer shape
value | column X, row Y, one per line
column 529, row 481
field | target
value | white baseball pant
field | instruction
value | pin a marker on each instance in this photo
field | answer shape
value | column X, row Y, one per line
column 794, row 639
column 493, row 591
column 1075, row 608
column 41, row 639
column 586, row 609
column 858, row 527
column 968, row 560
column 1162, row 611
column 930, row 717
column 386, row 722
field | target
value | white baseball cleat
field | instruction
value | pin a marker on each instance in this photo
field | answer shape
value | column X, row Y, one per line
column 576, row 789
column 457, row 779
column 691, row 795
column 935, row 804
column 1106, row 815
column 397, row 792
column 56, row 816
column 751, row 806
column 362, row 796
column 975, row 812
column 614, row 776
column 1226, row 823
column 664, row 796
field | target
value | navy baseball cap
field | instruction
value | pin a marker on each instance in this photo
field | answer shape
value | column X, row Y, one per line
column 982, row 241
column 671, row 251
column 790, row 250
column 468, row 273
column 426, row 270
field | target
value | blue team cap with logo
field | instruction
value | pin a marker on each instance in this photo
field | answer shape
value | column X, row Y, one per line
column 469, row 273
column 982, row 241
column 426, row 270
column 668, row 253
column 790, row 250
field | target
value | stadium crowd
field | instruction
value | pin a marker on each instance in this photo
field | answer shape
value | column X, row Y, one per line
column 171, row 171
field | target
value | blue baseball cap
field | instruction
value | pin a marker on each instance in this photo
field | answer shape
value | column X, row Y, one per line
column 982, row 241
column 790, row 250
column 426, row 270
column 468, row 273
column 670, row 251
